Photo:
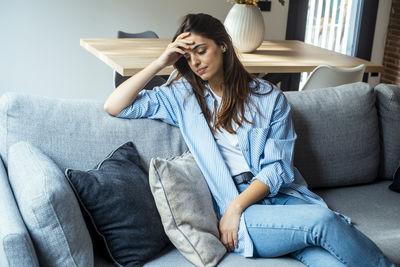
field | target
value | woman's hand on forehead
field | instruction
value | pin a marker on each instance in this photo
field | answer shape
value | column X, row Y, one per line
column 175, row 50
column 190, row 41
column 185, row 44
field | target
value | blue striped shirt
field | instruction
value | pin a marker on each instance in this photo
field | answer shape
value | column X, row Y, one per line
column 267, row 144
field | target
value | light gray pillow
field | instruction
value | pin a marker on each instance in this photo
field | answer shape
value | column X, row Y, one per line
column 16, row 247
column 388, row 104
column 185, row 205
column 338, row 136
column 49, row 208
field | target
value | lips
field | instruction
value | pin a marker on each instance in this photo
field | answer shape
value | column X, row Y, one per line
column 201, row 70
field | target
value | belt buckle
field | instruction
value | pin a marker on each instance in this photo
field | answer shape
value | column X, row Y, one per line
column 242, row 178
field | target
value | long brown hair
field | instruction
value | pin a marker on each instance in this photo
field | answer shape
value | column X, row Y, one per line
column 237, row 81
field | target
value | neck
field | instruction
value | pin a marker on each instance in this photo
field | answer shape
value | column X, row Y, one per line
column 217, row 87
column 217, row 83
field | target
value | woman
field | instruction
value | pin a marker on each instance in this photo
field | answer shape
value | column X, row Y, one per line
column 240, row 132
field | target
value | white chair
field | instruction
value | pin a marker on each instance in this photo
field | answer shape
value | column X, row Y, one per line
column 327, row 76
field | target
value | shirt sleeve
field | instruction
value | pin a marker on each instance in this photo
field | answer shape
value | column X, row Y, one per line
column 276, row 165
column 158, row 103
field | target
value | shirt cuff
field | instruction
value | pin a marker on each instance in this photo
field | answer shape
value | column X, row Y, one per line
column 272, row 176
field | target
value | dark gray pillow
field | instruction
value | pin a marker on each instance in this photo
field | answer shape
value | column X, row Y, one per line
column 388, row 105
column 395, row 186
column 116, row 195
column 338, row 136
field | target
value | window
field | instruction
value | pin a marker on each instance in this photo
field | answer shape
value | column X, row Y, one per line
column 334, row 25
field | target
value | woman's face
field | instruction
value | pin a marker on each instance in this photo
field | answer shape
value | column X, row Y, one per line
column 205, row 58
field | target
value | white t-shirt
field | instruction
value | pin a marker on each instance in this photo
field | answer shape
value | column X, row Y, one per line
column 228, row 145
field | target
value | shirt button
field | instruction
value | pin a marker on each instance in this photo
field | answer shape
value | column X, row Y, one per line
column 246, row 149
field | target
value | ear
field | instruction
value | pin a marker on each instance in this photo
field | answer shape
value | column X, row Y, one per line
column 223, row 48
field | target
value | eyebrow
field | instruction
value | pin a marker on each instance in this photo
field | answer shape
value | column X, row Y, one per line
column 196, row 46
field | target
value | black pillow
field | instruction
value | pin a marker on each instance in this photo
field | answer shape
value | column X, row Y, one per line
column 395, row 186
column 117, row 197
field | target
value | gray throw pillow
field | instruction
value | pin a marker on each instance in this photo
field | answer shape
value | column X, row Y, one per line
column 49, row 208
column 186, row 208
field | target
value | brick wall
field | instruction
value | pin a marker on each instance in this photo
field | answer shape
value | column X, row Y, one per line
column 391, row 59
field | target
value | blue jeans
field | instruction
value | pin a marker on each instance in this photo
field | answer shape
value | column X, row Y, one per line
column 312, row 234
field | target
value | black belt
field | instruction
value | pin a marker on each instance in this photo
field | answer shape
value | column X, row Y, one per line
column 244, row 177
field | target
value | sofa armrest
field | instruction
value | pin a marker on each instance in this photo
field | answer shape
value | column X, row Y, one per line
column 388, row 106
column 16, row 247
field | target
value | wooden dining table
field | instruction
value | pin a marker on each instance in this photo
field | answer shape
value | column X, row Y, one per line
column 129, row 56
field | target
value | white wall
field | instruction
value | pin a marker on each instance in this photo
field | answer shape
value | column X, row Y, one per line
column 39, row 45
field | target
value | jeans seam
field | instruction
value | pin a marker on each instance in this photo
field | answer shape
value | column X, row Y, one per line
column 309, row 231
column 332, row 251
column 325, row 245
column 276, row 227
column 300, row 258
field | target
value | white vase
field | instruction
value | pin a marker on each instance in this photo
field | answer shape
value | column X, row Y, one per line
column 245, row 25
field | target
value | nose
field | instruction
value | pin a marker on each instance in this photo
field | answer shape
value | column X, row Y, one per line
column 194, row 60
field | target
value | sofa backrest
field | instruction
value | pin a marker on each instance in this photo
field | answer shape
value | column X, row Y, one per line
column 338, row 136
column 78, row 134
column 337, row 129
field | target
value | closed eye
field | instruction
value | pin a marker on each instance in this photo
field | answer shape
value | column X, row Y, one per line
column 199, row 52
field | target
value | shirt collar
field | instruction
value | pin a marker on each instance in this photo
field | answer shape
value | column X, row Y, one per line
column 207, row 93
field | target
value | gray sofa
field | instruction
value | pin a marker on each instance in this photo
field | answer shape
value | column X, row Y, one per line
column 348, row 148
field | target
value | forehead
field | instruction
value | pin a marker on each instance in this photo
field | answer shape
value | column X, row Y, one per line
column 198, row 39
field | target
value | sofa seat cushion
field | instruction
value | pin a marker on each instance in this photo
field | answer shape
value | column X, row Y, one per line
column 374, row 210
column 338, row 137
column 171, row 257
column 174, row 258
